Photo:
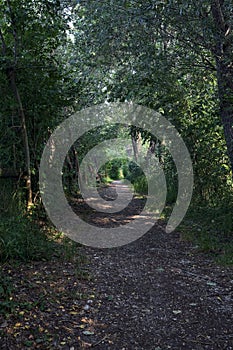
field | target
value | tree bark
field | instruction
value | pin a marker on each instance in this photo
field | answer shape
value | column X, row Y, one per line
column 223, row 56
column 11, row 76
column 135, row 147
column 150, row 152
column 76, row 166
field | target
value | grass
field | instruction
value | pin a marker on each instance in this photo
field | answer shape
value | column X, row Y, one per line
column 7, row 304
column 21, row 239
column 106, row 180
column 27, row 237
column 30, row 237
column 211, row 230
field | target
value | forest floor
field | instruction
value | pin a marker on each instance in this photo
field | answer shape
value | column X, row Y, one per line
column 159, row 292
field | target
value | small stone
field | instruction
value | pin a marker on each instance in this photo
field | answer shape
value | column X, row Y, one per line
column 177, row 312
column 88, row 333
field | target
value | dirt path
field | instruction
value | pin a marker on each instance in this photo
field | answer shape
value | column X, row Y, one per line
column 156, row 293
column 159, row 293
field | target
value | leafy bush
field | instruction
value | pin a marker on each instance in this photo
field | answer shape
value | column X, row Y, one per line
column 11, row 197
column 211, row 228
column 106, row 180
column 134, row 171
column 21, row 239
column 115, row 171
column 125, row 170
column 6, row 288
column 140, row 185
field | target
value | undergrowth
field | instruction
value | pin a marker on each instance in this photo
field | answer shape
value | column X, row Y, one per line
column 210, row 228
column 21, row 239
column 26, row 237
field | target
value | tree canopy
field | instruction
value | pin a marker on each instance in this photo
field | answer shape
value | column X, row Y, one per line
column 175, row 57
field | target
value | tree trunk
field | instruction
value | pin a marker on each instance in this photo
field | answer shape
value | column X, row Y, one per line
column 223, row 55
column 135, row 147
column 11, row 76
column 76, row 166
column 150, row 152
column 226, row 107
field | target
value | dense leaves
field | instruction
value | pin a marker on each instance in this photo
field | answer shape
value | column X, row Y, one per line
column 172, row 56
column 58, row 57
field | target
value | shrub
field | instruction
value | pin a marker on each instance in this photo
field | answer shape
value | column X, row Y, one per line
column 22, row 239
column 7, row 304
column 141, row 185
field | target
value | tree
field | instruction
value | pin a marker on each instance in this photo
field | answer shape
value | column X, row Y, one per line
column 222, row 13
column 31, row 81
column 142, row 50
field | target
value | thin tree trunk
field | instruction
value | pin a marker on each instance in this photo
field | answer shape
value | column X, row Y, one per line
column 76, row 166
column 226, row 108
column 135, row 147
column 150, row 152
column 11, row 76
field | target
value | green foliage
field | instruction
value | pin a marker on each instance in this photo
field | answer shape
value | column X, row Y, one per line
column 167, row 64
column 11, row 197
column 66, row 249
column 134, row 171
column 7, row 304
column 140, row 185
column 125, row 171
column 211, row 229
column 31, row 34
column 158, row 54
column 114, row 169
column 106, row 180
column 21, row 239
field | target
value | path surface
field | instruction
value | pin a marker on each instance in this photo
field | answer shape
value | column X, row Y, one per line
column 156, row 293
column 159, row 293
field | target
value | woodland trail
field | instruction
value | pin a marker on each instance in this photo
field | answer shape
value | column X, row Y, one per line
column 159, row 292
column 156, row 293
